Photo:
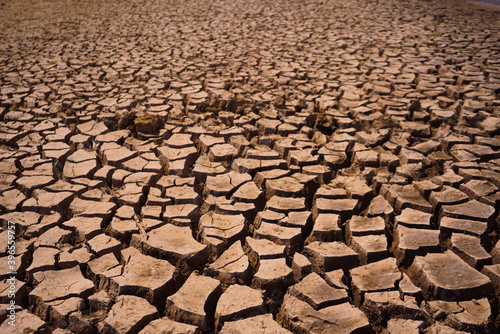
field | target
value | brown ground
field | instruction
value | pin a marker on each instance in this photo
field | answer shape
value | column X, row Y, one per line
column 247, row 166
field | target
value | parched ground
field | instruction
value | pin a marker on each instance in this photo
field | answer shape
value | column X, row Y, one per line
column 250, row 166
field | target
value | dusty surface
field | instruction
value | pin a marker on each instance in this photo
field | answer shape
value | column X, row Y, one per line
column 250, row 166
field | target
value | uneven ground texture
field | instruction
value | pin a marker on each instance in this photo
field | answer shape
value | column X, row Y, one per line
column 250, row 166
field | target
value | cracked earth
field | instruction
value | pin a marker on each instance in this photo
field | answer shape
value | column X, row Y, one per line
column 250, row 166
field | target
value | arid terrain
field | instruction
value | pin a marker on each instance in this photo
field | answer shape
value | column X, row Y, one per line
column 259, row 166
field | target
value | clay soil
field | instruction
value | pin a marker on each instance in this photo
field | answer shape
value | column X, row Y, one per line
column 250, row 166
